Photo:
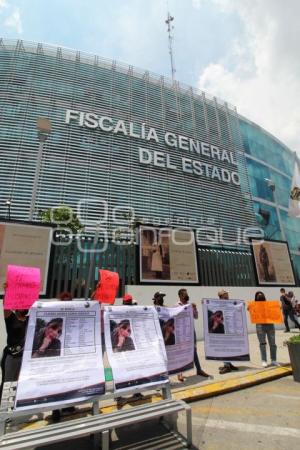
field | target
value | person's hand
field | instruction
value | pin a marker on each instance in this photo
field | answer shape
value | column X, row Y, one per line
column 45, row 344
column 121, row 341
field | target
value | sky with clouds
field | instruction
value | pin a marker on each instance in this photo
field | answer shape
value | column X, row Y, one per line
column 243, row 51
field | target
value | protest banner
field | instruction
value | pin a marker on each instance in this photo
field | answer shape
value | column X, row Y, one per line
column 107, row 287
column 265, row 312
column 62, row 360
column 225, row 330
column 23, row 287
column 135, row 347
column 177, row 325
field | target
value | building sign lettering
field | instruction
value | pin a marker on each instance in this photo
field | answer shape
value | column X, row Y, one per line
column 161, row 159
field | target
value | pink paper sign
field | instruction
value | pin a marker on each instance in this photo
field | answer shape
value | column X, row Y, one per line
column 23, row 287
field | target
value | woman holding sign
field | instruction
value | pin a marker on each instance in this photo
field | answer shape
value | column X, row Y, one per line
column 264, row 330
column 16, row 325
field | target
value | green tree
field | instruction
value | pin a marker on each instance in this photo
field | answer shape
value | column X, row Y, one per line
column 63, row 216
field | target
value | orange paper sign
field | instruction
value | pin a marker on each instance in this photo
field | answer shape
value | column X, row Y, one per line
column 265, row 312
column 107, row 287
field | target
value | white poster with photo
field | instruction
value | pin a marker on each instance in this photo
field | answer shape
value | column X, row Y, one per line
column 62, row 360
column 225, row 330
column 135, row 346
column 167, row 255
column 273, row 263
column 177, row 326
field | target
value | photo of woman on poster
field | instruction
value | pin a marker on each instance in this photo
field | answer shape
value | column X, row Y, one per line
column 46, row 342
column 215, row 322
column 121, row 340
column 168, row 332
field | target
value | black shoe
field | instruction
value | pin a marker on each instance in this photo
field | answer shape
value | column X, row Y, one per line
column 69, row 410
column 286, row 331
column 121, row 401
column 232, row 367
column 201, row 373
column 224, row 369
column 55, row 415
column 138, row 396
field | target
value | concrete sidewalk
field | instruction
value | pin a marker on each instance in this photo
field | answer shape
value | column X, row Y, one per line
column 245, row 368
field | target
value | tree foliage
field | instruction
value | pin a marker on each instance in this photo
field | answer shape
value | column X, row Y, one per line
column 63, row 216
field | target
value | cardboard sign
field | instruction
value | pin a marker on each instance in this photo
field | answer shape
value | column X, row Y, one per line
column 265, row 312
column 107, row 287
column 23, row 287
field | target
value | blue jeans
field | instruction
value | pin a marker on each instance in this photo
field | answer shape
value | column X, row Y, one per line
column 263, row 330
column 288, row 313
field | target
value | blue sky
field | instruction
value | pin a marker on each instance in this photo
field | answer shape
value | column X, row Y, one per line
column 243, row 51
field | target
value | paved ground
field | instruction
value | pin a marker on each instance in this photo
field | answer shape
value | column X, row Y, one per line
column 245, row 368
column 262, row 417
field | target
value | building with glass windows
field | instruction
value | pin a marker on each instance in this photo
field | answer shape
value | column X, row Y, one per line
column 130, row 146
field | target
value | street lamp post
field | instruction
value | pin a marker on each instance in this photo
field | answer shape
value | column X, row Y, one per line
column 8, row 204
column 44, row 129
column 272, row 186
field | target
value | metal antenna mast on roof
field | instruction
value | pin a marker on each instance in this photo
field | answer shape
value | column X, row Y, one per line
column 171, row 37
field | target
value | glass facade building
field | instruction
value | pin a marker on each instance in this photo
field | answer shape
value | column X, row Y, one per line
column 129, row 143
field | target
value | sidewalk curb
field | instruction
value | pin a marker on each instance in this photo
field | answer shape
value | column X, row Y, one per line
column 216, row 388
column 233, row 384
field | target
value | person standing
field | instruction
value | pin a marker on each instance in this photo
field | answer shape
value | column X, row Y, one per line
column 264, row 330
column 184, row 300
column 158, row 298
column 16, row 326
column 287, row 310
column 227, row 365
column 128, row 300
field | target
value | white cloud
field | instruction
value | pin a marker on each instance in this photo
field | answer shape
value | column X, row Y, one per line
column 197, row 3
column 3, row 4
column 14, row 21
column 260, row 75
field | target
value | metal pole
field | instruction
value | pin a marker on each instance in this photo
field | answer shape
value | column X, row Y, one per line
column 36, row 179
column 8, row 204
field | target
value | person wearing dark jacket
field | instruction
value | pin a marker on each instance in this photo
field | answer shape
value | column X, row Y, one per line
column 16, row 326
column 287, row 310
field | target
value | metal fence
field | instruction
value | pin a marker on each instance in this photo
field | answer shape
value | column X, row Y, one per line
column 225, row 268
column 70, row 265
